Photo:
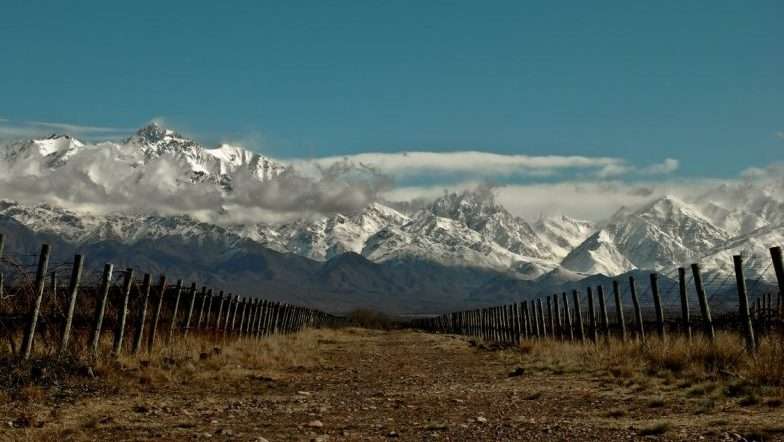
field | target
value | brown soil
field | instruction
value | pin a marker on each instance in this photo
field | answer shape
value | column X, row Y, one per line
column 372, row 385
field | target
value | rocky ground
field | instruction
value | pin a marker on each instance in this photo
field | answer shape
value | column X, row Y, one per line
column 373, row 385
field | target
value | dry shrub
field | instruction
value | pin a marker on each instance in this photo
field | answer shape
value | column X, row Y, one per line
column 767, row 367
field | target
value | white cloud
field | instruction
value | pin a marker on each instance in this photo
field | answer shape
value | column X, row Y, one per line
column 667, row 166
column 591, row 200
column 31, row 129
column 405, row 164
column 489, row 165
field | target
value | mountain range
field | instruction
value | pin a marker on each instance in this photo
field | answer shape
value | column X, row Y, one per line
column 462, row 249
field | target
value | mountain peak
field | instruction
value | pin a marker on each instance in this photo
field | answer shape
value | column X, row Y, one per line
column 154, row 133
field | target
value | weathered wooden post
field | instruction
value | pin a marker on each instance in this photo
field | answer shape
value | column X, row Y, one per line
column 157, row 316
column 529, row 329
column 40, row 282
column 637, row 310
column 138, row 337
column 177, row 293
column 558, row 320
column 244, row 303
column 201, row 307
column 237, row 302
column 209, row 309
column 567, row 317
column 73, row 291
column 603, row 318
column 543, row 323
column 220, row 312
column 685, row 317
column 2, row 277
column 778, row 267
column 550, row 318
column 190, row 309
column 591, row 316
column 119, row 332
column 702, row 297
column 619, row 309
column 578, row 316
column 518, row 333
column 229, row 303
column 743, row 302
column 101, row 308
column 537, row 330
column 657, row 304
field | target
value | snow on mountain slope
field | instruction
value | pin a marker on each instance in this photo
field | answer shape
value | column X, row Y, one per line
column 216, row 165
column 449, row 242
column 598, row 254
column 562, row 234
column 330, row 236
column 479, row 211
column 33, row 157
column 662, row 234
column 755, row 249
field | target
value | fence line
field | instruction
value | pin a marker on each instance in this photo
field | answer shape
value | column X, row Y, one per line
column 94, row 302
column 508, row 324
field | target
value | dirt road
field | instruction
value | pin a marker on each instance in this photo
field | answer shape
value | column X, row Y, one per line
column 370, row 385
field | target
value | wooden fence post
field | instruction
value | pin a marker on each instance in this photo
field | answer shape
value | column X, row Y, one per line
column 138, row 336
column 40, row 282
column 529, row 326
column 558, row 320
column 619, row 308
column 2, row 277
column 157, row 316
column 702, row 297
column 567, row 317
column 119, row 332
column 578, row 316
column 73, row 291
column 778, row 267
column 177, row 294
column 550, row 318
column 518, row 332
column 101, row 308
column 209, row 309
column 543, row 324
column 743, row 299
column 685, row 316
column 591, row 316
column 190, row 309
column 637, row 310
column 657, row 304
column 603, row 318
column 220, row 312
column 201, row 307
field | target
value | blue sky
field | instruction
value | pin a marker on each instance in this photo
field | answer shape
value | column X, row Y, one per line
column 699, row 82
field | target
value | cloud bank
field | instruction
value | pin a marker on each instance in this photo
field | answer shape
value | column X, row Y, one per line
column 487, row 164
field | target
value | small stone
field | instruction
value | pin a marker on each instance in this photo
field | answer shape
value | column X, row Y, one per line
column 303, row 393
column 392, row 434
column 315, row 424
column 481, row 419
column 261, row 439
column 519, row 371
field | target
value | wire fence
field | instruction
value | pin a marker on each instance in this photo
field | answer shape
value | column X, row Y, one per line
column 55, row 308
column 679, row 300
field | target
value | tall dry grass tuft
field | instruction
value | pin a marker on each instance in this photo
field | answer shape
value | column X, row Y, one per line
column 675, row 357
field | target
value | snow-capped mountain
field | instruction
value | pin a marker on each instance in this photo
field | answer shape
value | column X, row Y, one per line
column 662, row 234
column 197, row 163
column 479, row 211
column 327, row 237
column 562, row 234
column 468, row 229
column 216, row 165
